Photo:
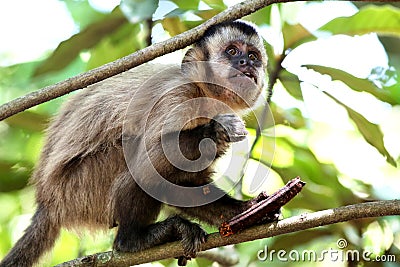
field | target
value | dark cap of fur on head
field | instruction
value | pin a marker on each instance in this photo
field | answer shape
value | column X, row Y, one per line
column 217, row 37
column 230, row 31
column 241, row 26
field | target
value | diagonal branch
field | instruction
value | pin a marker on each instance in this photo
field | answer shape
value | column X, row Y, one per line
column 139, row 57
column 293, row 224
column 135, row 59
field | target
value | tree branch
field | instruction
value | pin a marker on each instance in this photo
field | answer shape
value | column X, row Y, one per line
column 272, row 79
column 289, row 225
column 139, row 57
column 135, row 59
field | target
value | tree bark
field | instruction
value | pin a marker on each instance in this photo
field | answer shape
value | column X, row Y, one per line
column 135, row 59
column 289, row 225
column 123, row 64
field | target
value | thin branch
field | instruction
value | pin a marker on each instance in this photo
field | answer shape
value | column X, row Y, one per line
column 273, row 78
column 149, row 26
column 293, row 224
column 139, row 57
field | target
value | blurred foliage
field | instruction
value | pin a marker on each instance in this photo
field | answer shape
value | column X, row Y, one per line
column 292, row 148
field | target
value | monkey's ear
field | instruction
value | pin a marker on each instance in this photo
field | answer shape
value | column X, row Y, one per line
column 193, row 54
column 191, row 63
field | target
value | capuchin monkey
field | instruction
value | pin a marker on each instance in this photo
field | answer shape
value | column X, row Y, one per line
column 110, row 145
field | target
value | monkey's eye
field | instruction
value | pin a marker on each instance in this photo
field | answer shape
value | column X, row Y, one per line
column 233, row 51
column 253, row 56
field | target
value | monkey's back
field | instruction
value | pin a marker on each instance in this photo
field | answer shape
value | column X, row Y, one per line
column 83, row 153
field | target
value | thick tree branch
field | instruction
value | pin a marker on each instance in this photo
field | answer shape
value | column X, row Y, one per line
column 289, row 225
column 103, row 72
column 139, row 57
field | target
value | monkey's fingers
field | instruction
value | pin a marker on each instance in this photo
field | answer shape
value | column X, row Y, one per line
column 237, row 137
column 232, row 126
column 192, row 242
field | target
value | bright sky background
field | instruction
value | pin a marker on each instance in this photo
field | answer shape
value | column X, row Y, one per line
column 29, row 29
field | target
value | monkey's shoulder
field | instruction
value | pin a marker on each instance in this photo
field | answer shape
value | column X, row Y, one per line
column 97, row 113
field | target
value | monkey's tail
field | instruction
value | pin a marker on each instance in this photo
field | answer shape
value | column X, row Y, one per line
column 39, row 237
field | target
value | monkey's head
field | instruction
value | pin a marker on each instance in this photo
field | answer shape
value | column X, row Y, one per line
column 228, row 63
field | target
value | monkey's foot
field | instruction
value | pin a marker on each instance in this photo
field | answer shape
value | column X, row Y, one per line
column 191, row 235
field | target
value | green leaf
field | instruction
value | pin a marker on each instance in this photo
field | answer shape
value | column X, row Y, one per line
column 11, row 181
column 295, row 35
column 28, row 120
column 14, row 175
column 383, row 20
column 264, row 151
column 187, row 5
column 291, row 83
column 216, row 4
column 68, row 50
column 124, row 41
column 370, row 131
column 272, row 59
column 262, row 16
column 291, row 117
column 16, row 80
column 83, row 13
column 206, row 14
column 358, row 84
column 173, row 25
column 177, row 12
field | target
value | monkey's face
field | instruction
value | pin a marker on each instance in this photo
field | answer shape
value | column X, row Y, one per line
column 234, row 74
column 231, row 59
column 238, row 71
column 244, row 58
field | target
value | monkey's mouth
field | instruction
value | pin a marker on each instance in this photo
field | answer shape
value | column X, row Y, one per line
column 246, row 74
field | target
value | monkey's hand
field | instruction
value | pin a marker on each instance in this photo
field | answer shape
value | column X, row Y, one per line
column 228, row 128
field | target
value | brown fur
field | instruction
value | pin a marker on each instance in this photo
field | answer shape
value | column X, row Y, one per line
column 82, row 178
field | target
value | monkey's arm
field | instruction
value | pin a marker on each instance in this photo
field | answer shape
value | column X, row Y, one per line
column 209, row 140
column 223, row 130
column 137, row 230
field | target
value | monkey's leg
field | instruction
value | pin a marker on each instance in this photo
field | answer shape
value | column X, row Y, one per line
column 135, row 213
column 131, row 238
